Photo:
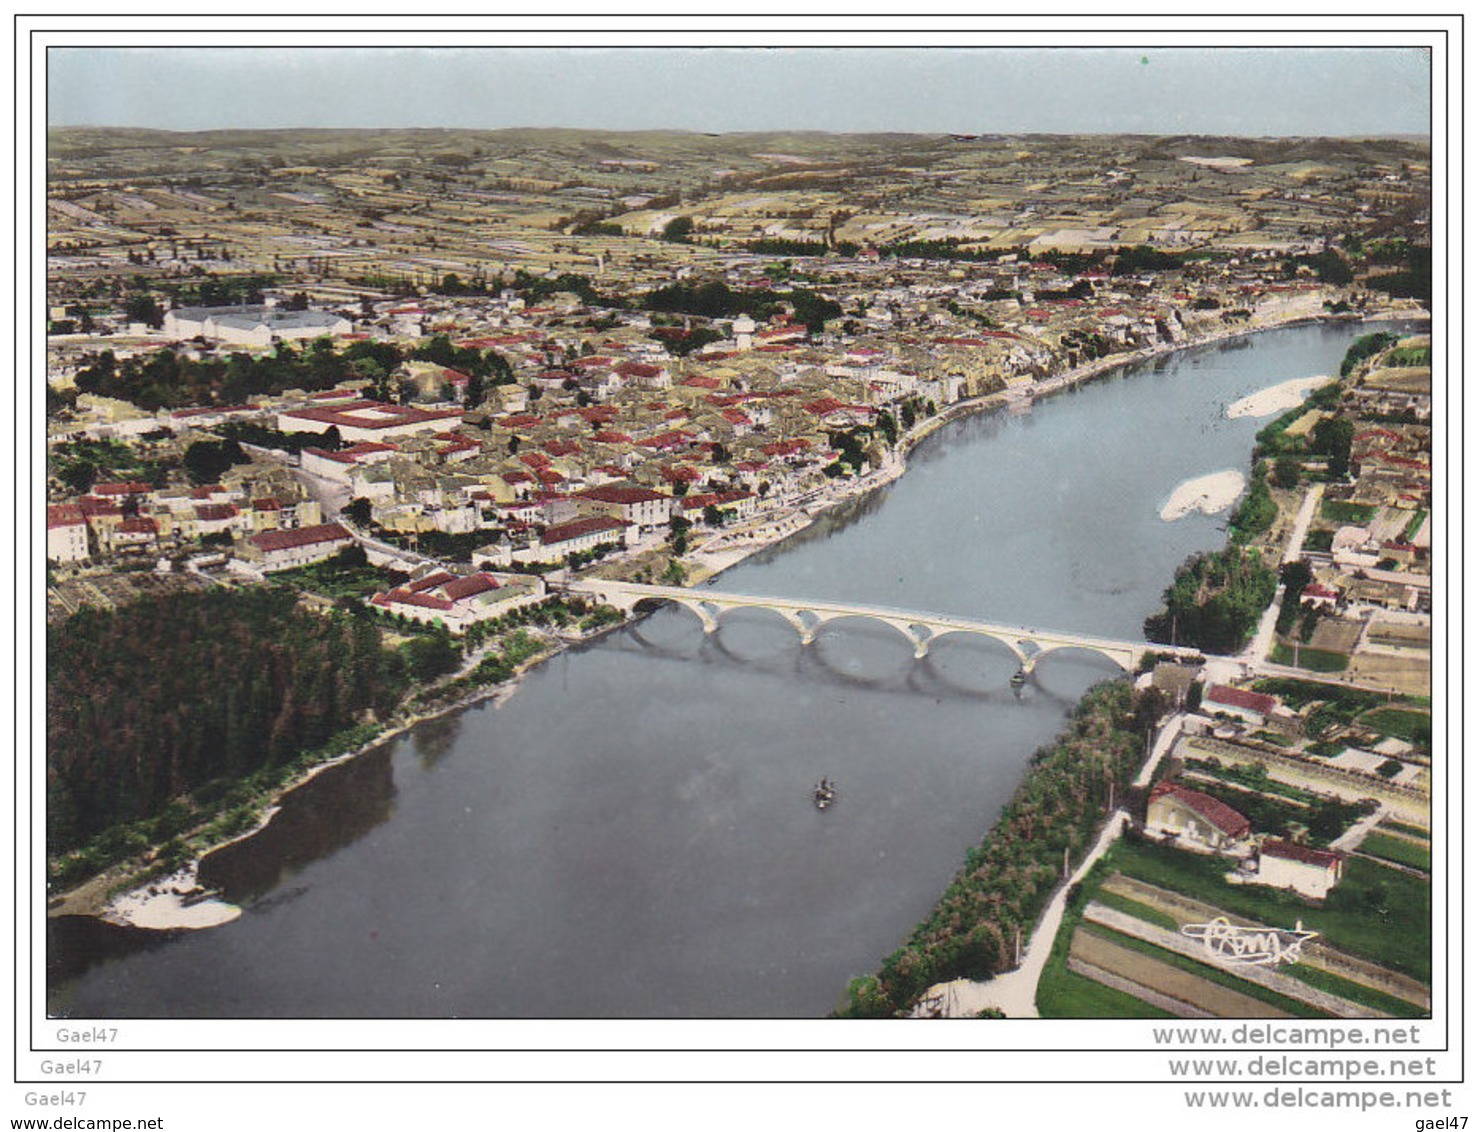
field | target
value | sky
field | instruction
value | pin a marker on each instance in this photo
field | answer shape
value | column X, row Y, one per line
column 1254, row 92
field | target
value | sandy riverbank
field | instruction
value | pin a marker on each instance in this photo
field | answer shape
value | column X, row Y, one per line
column 1208, row 494
column 162, row 908
column 171, row 903
column 1277, row 398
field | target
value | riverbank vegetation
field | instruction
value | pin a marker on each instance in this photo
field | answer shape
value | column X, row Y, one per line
column 1215, row 601
column 1006, row 881
column 149, row 702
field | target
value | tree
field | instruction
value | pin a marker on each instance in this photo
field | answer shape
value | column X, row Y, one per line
column 358, row 510
column 1286, row 471
column 678, row 229
column 144, row 308
column 887, row 427
column 476, row 391
column 206, row 460
column 1333, row 436
column 713, row 516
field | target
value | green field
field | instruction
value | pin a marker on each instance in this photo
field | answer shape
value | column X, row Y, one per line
column 1315, row 660
column 1355, row 992
column 1375, row 912
column 1397, row 849
column 1066, row 994
column 1341, row 512
column 1210, row 974
column 1411, row 726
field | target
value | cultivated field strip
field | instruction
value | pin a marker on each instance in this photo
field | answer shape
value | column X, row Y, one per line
column 1316, row 954
column 1160, row 984
column 1178, row 944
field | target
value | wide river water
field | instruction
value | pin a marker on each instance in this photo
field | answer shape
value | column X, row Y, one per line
column 632, row 834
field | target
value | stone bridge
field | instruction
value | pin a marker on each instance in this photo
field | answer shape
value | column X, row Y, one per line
column 920, row 630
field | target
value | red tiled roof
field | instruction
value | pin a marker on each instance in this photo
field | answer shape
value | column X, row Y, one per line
column 301, row 536
column 350, row 415
column 132, row 488
column 1217, row 812
column 565, row 532
column 470, row 586
column 1239, row 697
column 638, row 369
column 429, row 582
column 622, row 493
column 64, row 515
column 1289, row 851
column 406, row 597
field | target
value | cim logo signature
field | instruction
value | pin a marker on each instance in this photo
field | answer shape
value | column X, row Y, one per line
column 1265, row 947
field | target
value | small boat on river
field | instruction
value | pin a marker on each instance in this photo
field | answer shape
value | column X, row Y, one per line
column 825, row 793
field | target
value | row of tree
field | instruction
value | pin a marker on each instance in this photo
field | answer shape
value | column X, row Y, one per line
column 165, row 380
column 718, row 300
column 1006, row 882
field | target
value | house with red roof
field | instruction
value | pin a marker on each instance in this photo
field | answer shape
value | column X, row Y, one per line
column 557, row 542
column 1254, row 707
column 66, row 534
column 458, row 602
column 134, row 532
column 692, row 506
column 365, row 420
column 270, row 551
column 1309, row 872
column 639, row 506
column 341, row 465
column 1195, row 819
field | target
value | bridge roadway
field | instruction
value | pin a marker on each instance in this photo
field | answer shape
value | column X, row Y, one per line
column 919, row 629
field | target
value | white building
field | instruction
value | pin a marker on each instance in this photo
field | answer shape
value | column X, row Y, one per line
column 252, row 325
column 66, row 534
column 642, row 507
column 575, row 537
column 1195, row 818
column 364, row 421
column 459, row 602
column 1309, row 872
column 287, row 550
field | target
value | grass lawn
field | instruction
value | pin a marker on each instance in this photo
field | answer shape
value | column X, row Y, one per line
column 1395, row 849
column 1319, row 540
column 1132, row 907
column 1406, row 725
column 333, row 581
column 1375, row 912
column 1315, row 660
column 1355, row 992
column 1402, row 827
column 1066, row 994
column 1342, row 512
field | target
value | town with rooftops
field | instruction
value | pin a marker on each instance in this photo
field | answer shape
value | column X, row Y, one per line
column 430, row 400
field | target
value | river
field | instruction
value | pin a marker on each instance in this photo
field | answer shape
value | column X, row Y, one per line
column 631, row 834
